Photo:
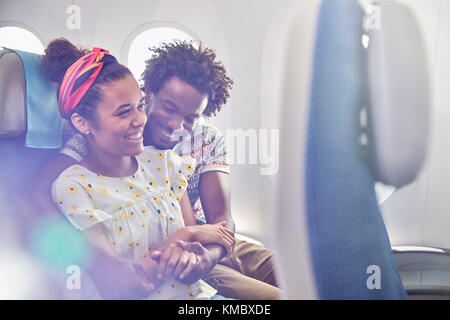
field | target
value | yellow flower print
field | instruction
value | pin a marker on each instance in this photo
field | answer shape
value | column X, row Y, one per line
column 189, row 167
column 115, row 244
column 130, row 186
column 128, row 204
column 60, row 201
column 143, row 225
column 123, row 215
column 166, row 236
column 152, row 183
column 100, row 176
column 130, row 243
column 72, row 190
column 160, row 155
column 183, row 182
column 88, row 187
column 92, row 218
column 171, row 195
column 118, row 207
column 103, row 191
column 82, row 176
column 159, row 213
column 116, row 218
column 174, row 206
column 74, row 208
column 142, row 169
column 119, row 230
column 169, row 164
column 148, row 160
column 161, row 197
column 156, row 199
column 131, row 215
column 144, row 211
column 121, row 179
column 138, row 244
column 171, row 220
column 133, row 177
column 76, row 168
column 173, row 284
column 166, row 181
column 159, row 169
column 147, row 188
column 137, row 195
column 117, row 191
column 178, row 198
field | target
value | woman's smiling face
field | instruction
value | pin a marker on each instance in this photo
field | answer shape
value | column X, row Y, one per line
column 120, row 119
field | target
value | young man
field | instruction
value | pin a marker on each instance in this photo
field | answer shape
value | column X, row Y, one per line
column 182, row 84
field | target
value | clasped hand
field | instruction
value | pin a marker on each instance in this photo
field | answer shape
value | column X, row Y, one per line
column 188, row 260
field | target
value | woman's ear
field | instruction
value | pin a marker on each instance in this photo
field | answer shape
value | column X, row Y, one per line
column 80, row 123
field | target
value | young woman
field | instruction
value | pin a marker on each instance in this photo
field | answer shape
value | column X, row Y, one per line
column 129, row 201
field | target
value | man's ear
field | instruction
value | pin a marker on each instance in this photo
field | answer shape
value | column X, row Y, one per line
column 80, row 123
column 147, row 95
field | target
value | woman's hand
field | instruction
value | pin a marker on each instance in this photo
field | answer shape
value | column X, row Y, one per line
column 174, row 262
column 118, row 278
column 214, row 233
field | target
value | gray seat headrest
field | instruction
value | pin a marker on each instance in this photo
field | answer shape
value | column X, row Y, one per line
column 399, row 105
column 12, row 95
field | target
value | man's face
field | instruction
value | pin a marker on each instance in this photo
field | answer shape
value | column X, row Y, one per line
column 174, row 108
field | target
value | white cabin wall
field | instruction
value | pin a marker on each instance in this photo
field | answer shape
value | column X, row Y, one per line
column 418, row 213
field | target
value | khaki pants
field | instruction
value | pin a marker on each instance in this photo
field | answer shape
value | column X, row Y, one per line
column 248, row 274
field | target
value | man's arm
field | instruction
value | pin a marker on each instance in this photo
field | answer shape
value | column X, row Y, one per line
column 36, row 200
column 214, row 189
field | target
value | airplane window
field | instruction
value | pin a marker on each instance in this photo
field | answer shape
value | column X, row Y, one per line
column 20, row 39
column 139, row 52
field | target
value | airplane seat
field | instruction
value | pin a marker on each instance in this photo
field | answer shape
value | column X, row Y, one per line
column 366, row 120
column 398, row 131
column 19, row 162
column 24, row 148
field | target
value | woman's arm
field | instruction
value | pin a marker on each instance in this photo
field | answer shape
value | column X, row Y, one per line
column 114, row 277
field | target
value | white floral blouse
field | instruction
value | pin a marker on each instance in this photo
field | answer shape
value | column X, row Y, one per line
column 138, row 212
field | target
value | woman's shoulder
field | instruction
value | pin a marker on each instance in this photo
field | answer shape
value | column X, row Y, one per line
column 75, row 172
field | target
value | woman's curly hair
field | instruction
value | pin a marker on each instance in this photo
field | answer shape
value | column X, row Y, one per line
column 196, row 67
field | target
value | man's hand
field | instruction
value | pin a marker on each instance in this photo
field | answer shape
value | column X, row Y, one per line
column 205, row 261
column 174, row 262
column 214, row 234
